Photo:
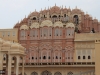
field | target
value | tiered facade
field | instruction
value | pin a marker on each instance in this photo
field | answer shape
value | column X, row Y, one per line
column 58, row 41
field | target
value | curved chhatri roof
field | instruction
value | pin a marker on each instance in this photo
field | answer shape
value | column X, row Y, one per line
column 58, row 24
column 34, row 25
column 25, row 27
column 1, row 41
column 7, row 44
column 70, row 25
column 46, row 23
column 15, row 46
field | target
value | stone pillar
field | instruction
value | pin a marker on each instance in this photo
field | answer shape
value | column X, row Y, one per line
column 23, row 66
column 9, row 64
column 17, row 65
column 1, row 61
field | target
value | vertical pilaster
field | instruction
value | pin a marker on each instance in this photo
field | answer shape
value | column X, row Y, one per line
column 23, row 66
column 17, row 65
column 1, row 61
column 9, row 64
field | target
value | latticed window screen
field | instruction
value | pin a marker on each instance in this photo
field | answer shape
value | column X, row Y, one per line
column 70, row 73
column 60, row 32
column 22, row 33
column 57, row 73
column 57, row 31
column 50, row 32
column 68, row 32
column 34, row 73
column 45, row 31
column 46, row 73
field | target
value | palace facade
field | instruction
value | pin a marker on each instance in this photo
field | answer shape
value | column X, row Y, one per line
column 57, row 41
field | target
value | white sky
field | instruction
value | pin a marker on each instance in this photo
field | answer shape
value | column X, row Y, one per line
column 12, row 11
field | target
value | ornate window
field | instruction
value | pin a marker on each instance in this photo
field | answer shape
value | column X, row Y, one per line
column 56, row 57
column 76, row 19
column 57, row 73
column 79, row 57
column 34, row 73
column 44, row 57
column 57, row 31
column 22, row 34
column 68, row 32
column 46, row 73
column 70, row 73
column 83, row 57
column 33, row 33
column 45, row 32
column 89, row 57
column 50, row 32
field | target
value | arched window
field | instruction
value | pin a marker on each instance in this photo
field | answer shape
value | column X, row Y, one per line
column 76, row 19
column 45, row 31
column 79, row 57
column 50, row 32
column 32, row 57
column 64, row 15
column 49, row 57
column 57, row 32
column 4, row 58
column 54, row 16
column 34, row 18
column 34, row 33
column 70, row 73
column 83, row 57
column 68, row 31
column 44, row 57
column 56, row 57
column 89, row 57
column 22, row 33
column 57, row 73
column 46, row 73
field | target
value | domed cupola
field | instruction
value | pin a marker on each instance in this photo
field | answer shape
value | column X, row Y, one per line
column 7, row 44
column 71, row 25
column 24, row 27
column 47, row 23
column 34, row 25
column 58, row 24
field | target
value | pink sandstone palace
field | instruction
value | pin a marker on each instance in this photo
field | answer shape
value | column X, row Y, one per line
column 58, row 41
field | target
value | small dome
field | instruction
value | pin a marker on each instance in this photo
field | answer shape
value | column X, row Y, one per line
column 17, row 46
column 70, row 25
column 58, row 24
column 46, row 23
column 1, row 41
column 25, row 27
column 35, row 13
column 7, row 44
column 78, row 11
column 34, row 25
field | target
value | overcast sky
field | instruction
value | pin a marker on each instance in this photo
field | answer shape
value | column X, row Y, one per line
column 12, row 11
